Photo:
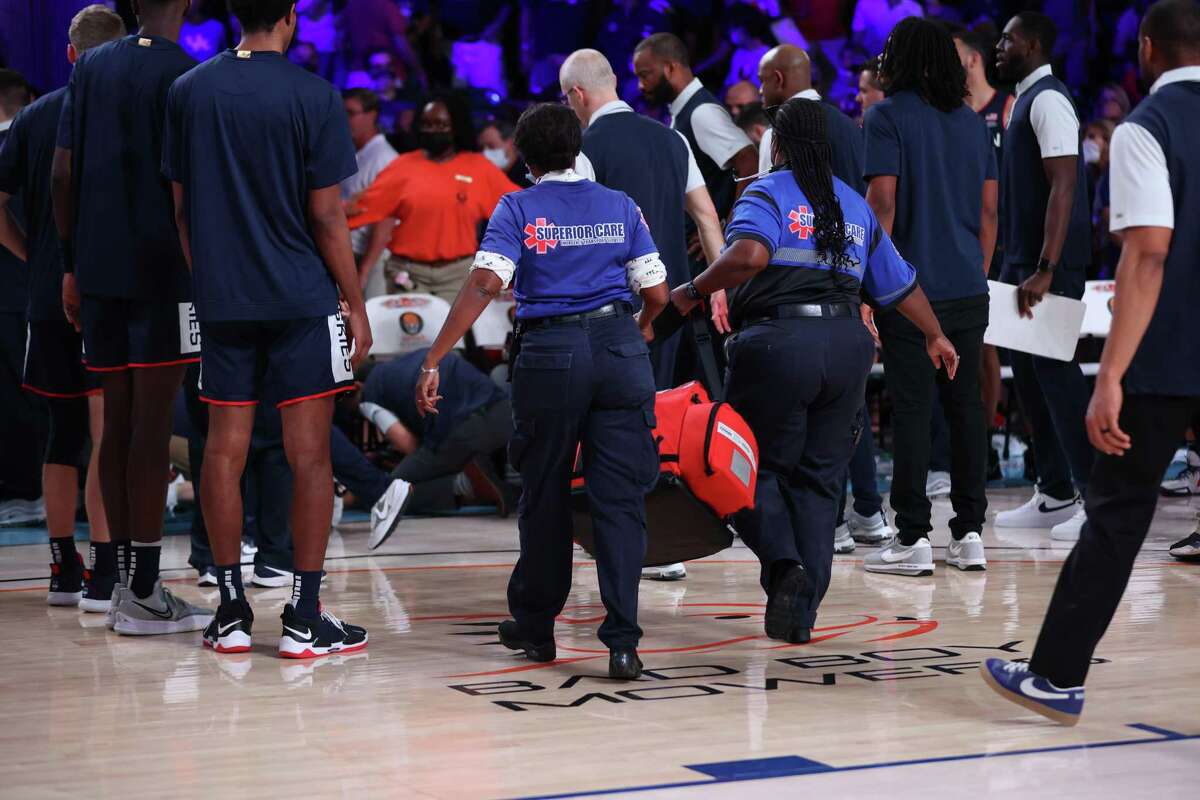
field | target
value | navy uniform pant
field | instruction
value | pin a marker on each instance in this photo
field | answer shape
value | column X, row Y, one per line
column 588, row 383
column 799, row 384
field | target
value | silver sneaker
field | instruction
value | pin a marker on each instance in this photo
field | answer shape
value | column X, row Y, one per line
column 110, row 616
column 670, row 572
column 894, row 558
column 868, row 530
column 843, row 542
column 388, row 511
column 937, row 484
column 160, row 613
column 966, row 553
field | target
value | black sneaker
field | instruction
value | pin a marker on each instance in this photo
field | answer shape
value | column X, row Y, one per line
column 97, row 592
column 66, row 585
column 310, row 638
column 229, row 631
column 1187, row 549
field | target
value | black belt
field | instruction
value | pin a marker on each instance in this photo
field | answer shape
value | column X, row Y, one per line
column 603, row 312
column 810, row 310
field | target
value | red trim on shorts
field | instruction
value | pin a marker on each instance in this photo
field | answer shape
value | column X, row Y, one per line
column 177, row 363
column 59, row 395
column 318, row 396
column 90, row 368
column 230, row 403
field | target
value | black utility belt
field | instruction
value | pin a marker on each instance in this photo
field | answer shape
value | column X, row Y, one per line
column 618, row 309
column 808, row 310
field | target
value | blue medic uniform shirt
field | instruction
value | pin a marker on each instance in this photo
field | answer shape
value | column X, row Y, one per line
column 569, row 245
column 775, row 213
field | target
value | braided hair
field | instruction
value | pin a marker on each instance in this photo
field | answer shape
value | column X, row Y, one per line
column 920, row 56
column 799, row 127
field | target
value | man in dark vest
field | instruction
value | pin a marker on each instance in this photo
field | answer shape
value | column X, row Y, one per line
column 1148, row 389
column 785, row 72
column 653, row 165
column 1046, row 234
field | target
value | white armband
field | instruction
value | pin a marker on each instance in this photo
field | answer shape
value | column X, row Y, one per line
column 503, row 266
column 378, row 416
column 644, row 272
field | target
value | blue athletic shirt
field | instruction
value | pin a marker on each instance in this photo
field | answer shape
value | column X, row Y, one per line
column 775, row 213
column 249, row 135
column 25, row 162
column 570, row 242
column 126, row 244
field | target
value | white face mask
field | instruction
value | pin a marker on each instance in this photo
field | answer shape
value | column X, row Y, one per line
column 497, row 156
column 1091, row 151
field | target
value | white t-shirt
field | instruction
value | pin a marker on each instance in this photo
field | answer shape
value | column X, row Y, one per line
column 716, row 133
column 1052, row 115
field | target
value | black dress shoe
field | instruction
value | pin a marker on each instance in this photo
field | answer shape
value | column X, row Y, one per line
column 624, row 664
column 510, row 637
column 784, row 606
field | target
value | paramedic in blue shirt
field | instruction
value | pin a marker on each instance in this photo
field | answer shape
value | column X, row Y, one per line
column 575, row 254
column 802, row 247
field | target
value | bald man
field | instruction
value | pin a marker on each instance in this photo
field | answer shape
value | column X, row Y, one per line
column 786, row 72
column 740, row 95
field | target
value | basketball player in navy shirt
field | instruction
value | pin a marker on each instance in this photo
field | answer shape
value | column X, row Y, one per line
column 575, row 254
column 126, row 285
column 255, row 148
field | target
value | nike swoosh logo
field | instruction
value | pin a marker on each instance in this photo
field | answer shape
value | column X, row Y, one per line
column 892, row 557
column 225, row 628
column 1042, row 507
column 301, row 634
column 1029, row 689
column 160, row 614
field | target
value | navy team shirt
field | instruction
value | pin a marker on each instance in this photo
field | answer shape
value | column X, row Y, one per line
column 249, row 135
column 25, row 161
column 940, row 161
column 775, row 213
column 464, row 390
column 570, row 241
column 14, row 275
column 126, row 244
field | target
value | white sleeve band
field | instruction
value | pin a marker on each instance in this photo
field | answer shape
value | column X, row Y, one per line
column 1139, row 184
column 717, row 134
column 1055, row 124
column 378, row 416
column 494, row 262
column 645, row 271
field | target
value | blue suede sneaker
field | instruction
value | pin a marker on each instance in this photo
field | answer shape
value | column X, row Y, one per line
column 1013, row 681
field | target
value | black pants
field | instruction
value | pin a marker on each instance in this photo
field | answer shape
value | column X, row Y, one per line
column 912, row 381
column 863, row 474
column 1054, row 396
column 23, row 421
column 1122, row 496
column 587, row 382
column 799, row 384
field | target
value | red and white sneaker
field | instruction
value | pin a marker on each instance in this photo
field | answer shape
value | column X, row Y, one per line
column 310, row 638
column 229, row 631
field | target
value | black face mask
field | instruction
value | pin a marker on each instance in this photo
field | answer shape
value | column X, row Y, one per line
column 436, row 144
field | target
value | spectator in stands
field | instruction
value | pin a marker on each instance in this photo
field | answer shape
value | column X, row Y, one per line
column 740, row 95
column 373, row 153
column 203, row 35
column 1112, row 104
column 396, row 96
column 870, row 90
column 550, row 31
column 305, row 56
column 628, row 23
column 496, row 143
column 316, row 25
column 1106, row 248
column 371, row 25
column 753, row 120
column 874, row 20
column 442, row 193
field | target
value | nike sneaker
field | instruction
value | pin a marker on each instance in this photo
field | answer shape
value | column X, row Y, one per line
column 270, row 577
column 249, row 549
column 1187, row 549
column 1185, row 483
column 894, row 558
column 966, row 553
column 843, row 541
column 66, row 585
column 937, row 484
column 160, row 613
column 1040, row 513
column 1069, row 531
column 22, row 513
column 671, row 572
column 208, row 575
column 1013, row 681
column 871, row 529
column 229, row 631
column 310, row 638
column 97, row 592
column 388, row 511
column 110, row 617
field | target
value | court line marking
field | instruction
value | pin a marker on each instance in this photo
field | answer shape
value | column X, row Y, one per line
column 755, row 769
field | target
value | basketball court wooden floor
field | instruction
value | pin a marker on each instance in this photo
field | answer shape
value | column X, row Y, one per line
column 885, row 701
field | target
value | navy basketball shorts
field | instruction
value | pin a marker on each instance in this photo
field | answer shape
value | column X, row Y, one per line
column 289, row 361
column 122, row 333
column 54, row 361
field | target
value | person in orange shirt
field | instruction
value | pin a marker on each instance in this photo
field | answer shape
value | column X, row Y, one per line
column 440, row 193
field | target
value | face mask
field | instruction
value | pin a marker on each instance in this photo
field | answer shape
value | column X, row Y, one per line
column 497, row 156
column 1091, row 151
column 436, row 144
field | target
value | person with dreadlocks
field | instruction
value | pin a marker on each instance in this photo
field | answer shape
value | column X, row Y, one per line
column 802, row 246
column 931, row 174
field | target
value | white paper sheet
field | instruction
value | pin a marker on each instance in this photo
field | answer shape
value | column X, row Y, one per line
column 1053, row 332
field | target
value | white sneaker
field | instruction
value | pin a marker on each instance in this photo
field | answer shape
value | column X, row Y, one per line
column 1069, row 531
column 843, row 542
column 249, row 549
column 110, row 616
column 1187, row 482
column 937, row 484
column 160, row 613
column 897, row 559
column 173, row 494
column 1040, row 513
column 868, row 530
column 671, row 572
column 966, row 553
column 388, row 511
column 15, row 513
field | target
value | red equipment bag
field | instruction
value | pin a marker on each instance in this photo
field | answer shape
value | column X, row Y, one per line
column 708, row 468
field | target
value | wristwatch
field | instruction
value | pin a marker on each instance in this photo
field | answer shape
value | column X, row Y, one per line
column 692, row 291
column 1044, row 265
